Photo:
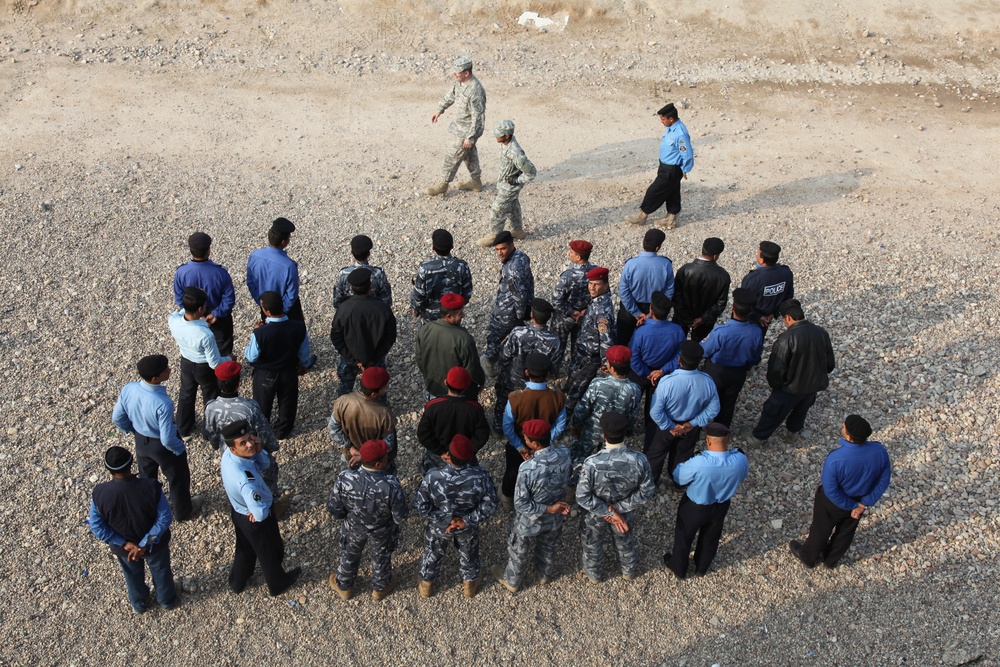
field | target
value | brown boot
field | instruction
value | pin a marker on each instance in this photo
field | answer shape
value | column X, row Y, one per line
column 390, row 587
column 669, row 222
column 473, row 184
column 344, row 593
column 498, row 574
column 425, row 588
column 486, row 241
column 637, row 218
column 471, row 587
column 519, row 233
column 436, row 190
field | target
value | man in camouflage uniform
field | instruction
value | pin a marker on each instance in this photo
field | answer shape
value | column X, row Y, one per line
column 613, row 483
column 361, row 248
column 597, row 335
column 373, row 507
column 441, row 274
column 454, row 500
column 614, row 393
column 515, row 292
column 361, row 416
column 570, row 297
column 515, row 170
column 446, row 416
column 539, row 508
column 469, row 98
column 522, row 341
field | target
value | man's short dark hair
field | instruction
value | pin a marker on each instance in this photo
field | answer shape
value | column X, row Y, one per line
column 230, row 387
column 660, row 310
column 621, row 369
column 793, row 311
column 192, row 301
column 538, row 376
column 276, row 237
column 542, row 317
column 743, row 309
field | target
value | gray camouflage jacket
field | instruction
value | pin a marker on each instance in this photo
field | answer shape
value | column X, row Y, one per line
column 541, row 481
column 448, row 492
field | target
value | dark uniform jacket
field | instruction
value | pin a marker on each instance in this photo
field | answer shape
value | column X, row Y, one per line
column 279, row 344
column 701, row 289
column 128, row 506
column 773, row 285
column 447, row 416
column 363, row 330
column 801, row 360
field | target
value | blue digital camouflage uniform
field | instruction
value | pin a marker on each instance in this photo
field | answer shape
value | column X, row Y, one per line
column 541, row 482
column 597, row 334
column 515, row 291
column 614, row 476
column 373, row 507
column 224, row 410
column 513, row 172
column 441, row 274
column 604, row 394
column 569, row 294
column 451, row 492
column 381, row 289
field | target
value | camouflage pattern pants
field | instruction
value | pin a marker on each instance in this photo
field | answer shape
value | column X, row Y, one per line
column 593, row 531
column 519, row 548
column 457, row 154
column 498, row 329
column 566, row 328
column 435, row 548
column 381, row 546
column 506, row 206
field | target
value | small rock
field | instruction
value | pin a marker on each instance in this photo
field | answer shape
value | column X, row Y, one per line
column 776, row 524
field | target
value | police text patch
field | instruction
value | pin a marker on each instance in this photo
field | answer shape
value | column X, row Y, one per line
column 774, row 290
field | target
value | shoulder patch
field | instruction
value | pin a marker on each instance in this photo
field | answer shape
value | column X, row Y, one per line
column 249, row 474
column 256, row 497
column 681, row 146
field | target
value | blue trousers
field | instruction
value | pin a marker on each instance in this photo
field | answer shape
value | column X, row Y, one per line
column 163, row 578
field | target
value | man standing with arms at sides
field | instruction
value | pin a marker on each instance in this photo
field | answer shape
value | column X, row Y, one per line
column 515, row 292
column 363, row 331
column 614, row 482
column 145, row 410
column 469, row 98
column 641, row 276
column 571, row 297
column 771, row 283
column 439, row 275
column 270, row 269
column 731, row 350
column 131, row 515
column 855, row 475
column 361, row 250
column 676, row 160
column 514, row 172
column 711, row 479
column 215, row 280
column 701, row 289
column 199, row 357
column 444, row 344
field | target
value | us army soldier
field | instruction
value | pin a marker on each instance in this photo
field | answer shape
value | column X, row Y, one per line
column 469, row 98
column 514, row 171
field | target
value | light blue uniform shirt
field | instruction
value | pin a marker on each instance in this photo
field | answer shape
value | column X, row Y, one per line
column 713, row 476
column 676, row 149
column 252, row 350
column 734, row 344
column 684, row 396
column 643, row 275
column 272, row 270
column 105, row 533
column 146, row 409
column 511, row 432
column 244, row 483
column 195, row 340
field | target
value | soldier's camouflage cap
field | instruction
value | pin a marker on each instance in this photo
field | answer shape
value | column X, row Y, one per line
column 504, row 128
column 461, row 64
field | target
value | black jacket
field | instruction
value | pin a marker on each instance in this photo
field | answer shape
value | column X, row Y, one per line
column 701, row 289
column 773, row 285
column 363, row 330
column 801, row 359
column 446, row 416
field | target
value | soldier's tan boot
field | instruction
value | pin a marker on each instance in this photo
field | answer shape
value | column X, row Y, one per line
column 498, row 573
column 519, row 233
column 470, row 588
column 436, row 190
column 506, row 502
column 344, row 593
column 425, row 588
column 669, row 222
column 473, row 184
column 390, row 587
column 486, row 241
column 637, row 218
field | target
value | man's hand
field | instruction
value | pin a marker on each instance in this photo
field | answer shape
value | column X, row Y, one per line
column 354, row 457
column 655, row 376
column 210, row 319
column 525, row 453
column 617, row 522
column 684, row 177
column 681, row 429
column 457, row 523
column 434, row 117
column 639, row 320
column 560, row 507
column 577, row 315
column 858, row 511
column 766, row 319
column 258, row 323
column 250, row 516
column 467, row 144
column 135, row 552
column 697, row 322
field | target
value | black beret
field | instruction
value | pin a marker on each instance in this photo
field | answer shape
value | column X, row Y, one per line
column 691, row 350
column 503, row 237
column 199, row 242
column 770, row 249
column 151, row 366
column 283, row 225
column 744, row 295
column 713, row 246
column 118, row 459
column 235, row 430
column 716, row 430
column 660, row 300
column 858, row 428
column 271, row 302
column 537, row 362
column 654, row 237
column 361, row 244
column 614, row 425
column 668, row 110
column 442, row 239
column 541, row 306
column 360, row 277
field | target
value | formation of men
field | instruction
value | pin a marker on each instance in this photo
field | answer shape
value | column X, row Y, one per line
column 641, row 371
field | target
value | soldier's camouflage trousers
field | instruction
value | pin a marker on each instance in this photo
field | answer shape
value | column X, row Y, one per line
column 456, row 154
column 506, row 206
column 519, row 550
column 593, row 532
column 352, row 544
column 435, row 547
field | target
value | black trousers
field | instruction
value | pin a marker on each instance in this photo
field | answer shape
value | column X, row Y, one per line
column 706, row 522
column 779, row 407
column 152, row 457
column 194, row 376
column 223, row 330
column 260, row 541
column 513, row 461
column 665, row 189
column 665, row 448
column 830, row 534
column 626, row 322
column 698, row 333
column 283, row 384
column 729, row 381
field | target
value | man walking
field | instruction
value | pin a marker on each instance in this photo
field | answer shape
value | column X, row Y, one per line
column 676, row 160
column 514, row 172
column 469, row 98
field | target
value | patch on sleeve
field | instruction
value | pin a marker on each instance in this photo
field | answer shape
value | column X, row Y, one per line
column 602, row 325
column 256, row 497
column 681, row 146
column 249, row 474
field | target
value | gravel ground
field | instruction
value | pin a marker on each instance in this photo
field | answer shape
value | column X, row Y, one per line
column 125, row 130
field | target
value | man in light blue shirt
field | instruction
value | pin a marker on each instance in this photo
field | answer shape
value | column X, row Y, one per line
column 683, row 403
column 641, row 276
column 711, row 478
column 145, row 410
column 199, row 357
column 676, row 160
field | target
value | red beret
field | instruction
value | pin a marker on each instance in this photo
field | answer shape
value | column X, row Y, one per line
column 451, row 301
column 581, row 247
column 600, row 273
column 375, row 378
column 536, row 429
column 228, row 370
column 458, row 378
column 462, row 447
column 373, row 450
column 619, row 354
